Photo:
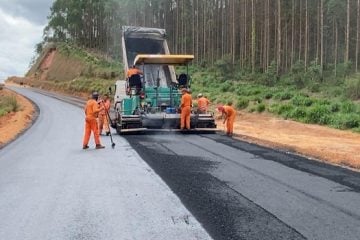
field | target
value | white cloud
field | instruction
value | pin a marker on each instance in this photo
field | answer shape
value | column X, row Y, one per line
column 33, row 10
column 17, row 41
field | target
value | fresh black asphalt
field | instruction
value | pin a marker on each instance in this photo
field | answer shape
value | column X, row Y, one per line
column 224, row 212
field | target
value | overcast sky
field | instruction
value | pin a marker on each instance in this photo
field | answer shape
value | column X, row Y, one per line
column 21, row 27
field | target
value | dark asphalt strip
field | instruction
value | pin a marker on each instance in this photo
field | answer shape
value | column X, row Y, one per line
column 224, row 213
column 336, row 174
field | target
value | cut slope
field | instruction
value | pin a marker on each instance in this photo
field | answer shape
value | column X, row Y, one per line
column 56, row 66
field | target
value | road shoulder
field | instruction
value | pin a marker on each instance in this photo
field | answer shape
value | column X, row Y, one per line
column 337, row 147
column 15, row 123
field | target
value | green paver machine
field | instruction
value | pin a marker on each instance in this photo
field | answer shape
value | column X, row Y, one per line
column 151, row 101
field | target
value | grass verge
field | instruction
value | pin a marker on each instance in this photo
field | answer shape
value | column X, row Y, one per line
column 8, row 104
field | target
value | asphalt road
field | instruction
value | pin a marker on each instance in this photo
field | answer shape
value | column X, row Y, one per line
column 52, row 189
column 166, row 186
column 242, row 191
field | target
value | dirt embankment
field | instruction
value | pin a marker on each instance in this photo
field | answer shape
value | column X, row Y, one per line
column 14, row 123
column 52, row 65
column 319, row 142
column 52, row 71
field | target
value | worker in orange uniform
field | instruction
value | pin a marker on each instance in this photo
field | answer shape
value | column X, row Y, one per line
column 92, row 110
column 229, row 113
column 103, row 119
column 203, row 103
column 133, row 70
column 186, row 102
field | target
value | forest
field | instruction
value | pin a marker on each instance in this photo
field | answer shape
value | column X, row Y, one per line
column 257, row 35
column 298, row 59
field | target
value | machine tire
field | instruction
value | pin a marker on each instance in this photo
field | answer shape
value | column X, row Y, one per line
column 118, row 123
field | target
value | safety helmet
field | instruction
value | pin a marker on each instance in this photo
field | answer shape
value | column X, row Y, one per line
column 200, row 95
column 220, row 108
column 95, row 95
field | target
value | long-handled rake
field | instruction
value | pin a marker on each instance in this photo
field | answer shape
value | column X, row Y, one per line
column 112, row 142
column 108, row 115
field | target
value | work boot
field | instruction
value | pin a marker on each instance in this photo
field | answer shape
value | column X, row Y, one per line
column 99, row 146
column 85, row 147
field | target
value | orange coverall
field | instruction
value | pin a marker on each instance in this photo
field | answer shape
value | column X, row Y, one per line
column 133, row 71
column 103, row 117
column 91, row 112
column 186, row 102
column 230, row 114
column 203, row 104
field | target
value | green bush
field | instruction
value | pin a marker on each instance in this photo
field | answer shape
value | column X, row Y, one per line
column 9, row 104
column 242, row 103
column 297, row 74
column 2, row 112
column 313, row 72
column 334, row 91
column 257, row 99
column 318, row 114
column 348, row 107
column 283, row 96
column 221, row 99
column 273, row 108
column 248, row 90
column 344, row 69
column 227, row 87
column 356, row 129
column 315, row 88
column 323, row 102
column 268, row 95
column 353, row 88
column 346, row 121
column 335, row 107
column 299, row 100
column 225, row 67
column 260, row 107
column 281, row 109
column 298, row 113
column 270, row 76
column 285, row 110
column 252, row 109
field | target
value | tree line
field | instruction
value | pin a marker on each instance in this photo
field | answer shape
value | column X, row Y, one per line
column 257, row 35
column 87, row 23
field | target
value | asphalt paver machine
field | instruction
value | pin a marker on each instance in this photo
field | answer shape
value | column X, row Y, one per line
column 150, row 101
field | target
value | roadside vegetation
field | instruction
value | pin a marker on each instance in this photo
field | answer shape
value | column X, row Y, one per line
column 98, row 73
column 305, row 96
column 295, row 66
column 298, row 95
column 98, row 65
column 8, row 104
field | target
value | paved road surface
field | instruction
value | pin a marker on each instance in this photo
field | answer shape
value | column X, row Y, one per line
column 52, row 189
column 241, row 191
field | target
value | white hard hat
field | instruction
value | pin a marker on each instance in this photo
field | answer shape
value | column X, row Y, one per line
column 200, row 95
